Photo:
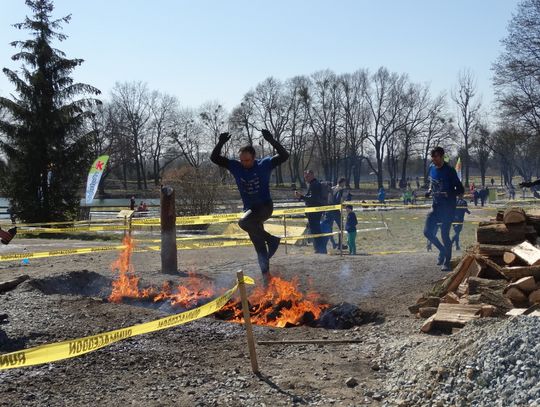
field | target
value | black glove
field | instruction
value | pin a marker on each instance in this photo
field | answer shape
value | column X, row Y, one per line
column 224, row 137
column 525, row 184
column 267, row 135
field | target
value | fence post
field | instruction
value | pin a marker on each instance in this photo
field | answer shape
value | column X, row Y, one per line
column 247, row 322
column 285, row 232
column 169, row 258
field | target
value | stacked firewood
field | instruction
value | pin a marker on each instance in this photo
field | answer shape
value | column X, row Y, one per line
column 498, row 276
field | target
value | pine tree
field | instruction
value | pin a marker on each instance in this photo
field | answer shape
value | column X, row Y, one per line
column 45, row 149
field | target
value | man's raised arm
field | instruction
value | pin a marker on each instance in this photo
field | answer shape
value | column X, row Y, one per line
column 216, row 156
column 282, row 154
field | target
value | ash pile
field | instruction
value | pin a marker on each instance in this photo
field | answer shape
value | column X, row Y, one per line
column 498, row 276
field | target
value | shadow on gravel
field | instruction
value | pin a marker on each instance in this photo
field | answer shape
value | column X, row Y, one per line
column 85, row 283
column 294, row 398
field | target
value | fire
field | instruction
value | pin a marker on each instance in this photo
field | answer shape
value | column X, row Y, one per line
column 127, row 283
column 186, row 295
column 280, row 304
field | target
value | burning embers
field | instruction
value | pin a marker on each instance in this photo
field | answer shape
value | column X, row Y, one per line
column 281, row 304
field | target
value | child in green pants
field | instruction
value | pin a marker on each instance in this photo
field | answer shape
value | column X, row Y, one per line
column 350, row 227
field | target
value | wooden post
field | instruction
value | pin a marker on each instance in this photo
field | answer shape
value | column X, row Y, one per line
column 341, row 230
column 169, row 258
column 285, row 232
column 247, row 322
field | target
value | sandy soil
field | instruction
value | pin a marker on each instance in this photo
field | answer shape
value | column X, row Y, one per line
column 205, row 363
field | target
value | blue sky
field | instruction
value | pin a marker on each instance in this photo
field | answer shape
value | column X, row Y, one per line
column 217, row 50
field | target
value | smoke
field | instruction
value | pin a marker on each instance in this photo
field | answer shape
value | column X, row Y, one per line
column 365, row 287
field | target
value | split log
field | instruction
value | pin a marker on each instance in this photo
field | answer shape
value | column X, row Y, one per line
column 12, row 284
column 525, row 284
column 528, row 253
column 426, row 312
column 488, row 311
column 479, row 285
column 515, row 273
column 509, row 258
column 534, row 297
column 490, row 269
column 500, row 234
column 514, row 215
column 454, row 279
column 424, row 302
column 517, row 296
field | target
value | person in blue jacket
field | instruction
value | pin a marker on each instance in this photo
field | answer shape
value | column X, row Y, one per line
column 445, row 187
column 252, row 178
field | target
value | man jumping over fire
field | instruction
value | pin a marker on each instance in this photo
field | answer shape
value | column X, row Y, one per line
column 253, row 180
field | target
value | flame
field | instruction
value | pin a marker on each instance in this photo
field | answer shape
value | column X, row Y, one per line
column 280, row 304
column 127, row 283
column 187, row 295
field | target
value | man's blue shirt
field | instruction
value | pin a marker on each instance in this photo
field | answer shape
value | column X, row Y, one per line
column 253, row 183
column 445, row 185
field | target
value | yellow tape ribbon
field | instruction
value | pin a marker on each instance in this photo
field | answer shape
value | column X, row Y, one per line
column 76, row 347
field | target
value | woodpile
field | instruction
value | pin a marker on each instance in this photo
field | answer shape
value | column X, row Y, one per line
column 498, row 276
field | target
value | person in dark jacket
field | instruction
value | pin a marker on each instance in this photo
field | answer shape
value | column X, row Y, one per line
column 314, row 197
column 350, row 227
column 445, row 186
column 253, row 180
column 459, row 217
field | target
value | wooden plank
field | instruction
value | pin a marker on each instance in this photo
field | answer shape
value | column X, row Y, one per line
column 516, row 311
column 457, row 313
column 528, row 253
column 450, row 298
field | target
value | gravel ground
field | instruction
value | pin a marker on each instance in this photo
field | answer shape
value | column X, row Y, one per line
column 205, row 363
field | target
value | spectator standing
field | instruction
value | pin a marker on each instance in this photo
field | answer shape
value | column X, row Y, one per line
column 459, row 218
column 350, row 227
column 313, row 198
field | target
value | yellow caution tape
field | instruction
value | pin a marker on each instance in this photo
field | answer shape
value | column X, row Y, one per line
column 76, row 347
column 57, row 253
column 72, row 229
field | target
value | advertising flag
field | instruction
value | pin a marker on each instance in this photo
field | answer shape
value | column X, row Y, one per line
column 94, row 176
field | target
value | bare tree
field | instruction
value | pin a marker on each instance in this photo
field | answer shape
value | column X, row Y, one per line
column 383, row 99
column 133, row 102
column 468, row 108
column 435, row 132
column 355, row 121
column 517, row 70
column 187, row 136
column 163, row 111
column 482, row 148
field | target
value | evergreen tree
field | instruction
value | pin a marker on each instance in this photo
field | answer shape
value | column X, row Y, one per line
column 45, row 149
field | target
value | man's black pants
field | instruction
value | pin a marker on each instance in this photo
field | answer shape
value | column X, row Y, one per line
column 253, row 223
column 314, row 220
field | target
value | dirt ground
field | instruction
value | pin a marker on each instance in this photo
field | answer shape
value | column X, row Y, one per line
column 205, row 363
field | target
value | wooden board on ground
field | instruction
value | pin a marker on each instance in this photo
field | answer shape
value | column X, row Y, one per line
column 528, row 253
column 449, row 316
